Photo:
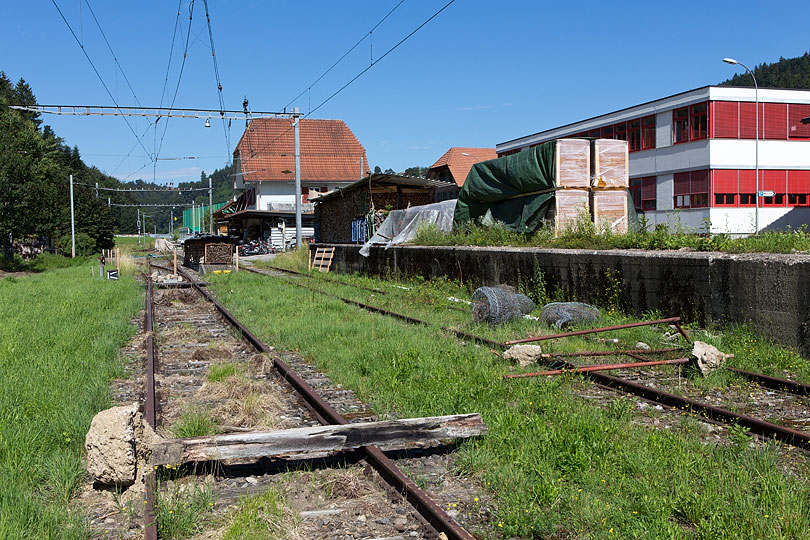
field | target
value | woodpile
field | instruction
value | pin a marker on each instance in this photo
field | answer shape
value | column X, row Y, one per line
column 592, row 179
column 573, row 171
column 220, row 253
column 207, row 250
column 610, row 183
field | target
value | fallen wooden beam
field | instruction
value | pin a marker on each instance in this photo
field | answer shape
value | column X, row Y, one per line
column 316, row 439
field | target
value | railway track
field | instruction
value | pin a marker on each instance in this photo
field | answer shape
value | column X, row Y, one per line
column 368, row 496
column 767, row 406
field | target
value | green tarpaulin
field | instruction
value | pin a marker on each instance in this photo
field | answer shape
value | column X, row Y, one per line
column 517, row 190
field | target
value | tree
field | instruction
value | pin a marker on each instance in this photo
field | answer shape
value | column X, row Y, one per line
column 786, row 73
column 416, row 171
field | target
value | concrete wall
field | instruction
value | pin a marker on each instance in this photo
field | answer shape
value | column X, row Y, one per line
column 772, row 292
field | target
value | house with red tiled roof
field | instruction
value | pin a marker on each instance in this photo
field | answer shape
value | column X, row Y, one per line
column 454, row 166
column 264, row 168
column 264, row 159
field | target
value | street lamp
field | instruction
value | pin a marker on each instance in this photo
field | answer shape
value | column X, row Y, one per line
column 756, row 139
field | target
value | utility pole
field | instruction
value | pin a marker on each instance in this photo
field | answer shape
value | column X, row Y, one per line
column 138, row 223
column 72, row 222
column 296, row 117
column 96, row 190
column 171, row 223
column 210, row 207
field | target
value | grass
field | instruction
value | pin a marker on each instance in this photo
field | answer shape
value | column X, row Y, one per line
column 555, row 463
column 182, row 511
column 584, row 235
column 129, row 244
column 262, row 517
column 222, row 371
column 195, row 422
column 61, row 335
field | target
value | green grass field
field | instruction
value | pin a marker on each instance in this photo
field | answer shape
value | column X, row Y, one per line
column 60, row 336
column 557, row 464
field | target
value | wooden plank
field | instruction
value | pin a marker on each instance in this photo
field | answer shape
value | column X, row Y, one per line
column 570, row 205
column 316, row 439
column 610, row 210
column 323, row 259
column 610, row 164
column 573, row 163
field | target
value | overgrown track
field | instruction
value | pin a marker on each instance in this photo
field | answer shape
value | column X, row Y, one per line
column 325, row 413
column 641, row 383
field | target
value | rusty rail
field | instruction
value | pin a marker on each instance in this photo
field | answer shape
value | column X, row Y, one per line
column 295, row 272
column 671, row 320
column 326, row 414
column 599, row 367
column 150, row 523
column 783, row 385
column 618, row 352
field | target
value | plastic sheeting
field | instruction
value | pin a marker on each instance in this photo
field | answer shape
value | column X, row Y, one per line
column 517, row 190
column 400, row 226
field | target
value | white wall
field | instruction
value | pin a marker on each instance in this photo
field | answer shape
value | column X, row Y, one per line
column 741, row 220
column 678, row 157
column 680, row 219
column 664, row 189
column 741, row 154
column 663, row 129
column 284, row 192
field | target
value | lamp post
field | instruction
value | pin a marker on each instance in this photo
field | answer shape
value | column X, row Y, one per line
column 756, row 139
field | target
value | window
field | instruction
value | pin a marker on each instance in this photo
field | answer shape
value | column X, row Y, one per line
column 700, row 121
column 725, row 187
column 634, row 135
column 774, row 121
column 607, row 132
column 680, row 122
column 726, row 119
column 798, row 188
column 643, row 192
column 621, row 131
column 692, row 189
column 748, row 119
column 748, row 188
column 648, row 132
column 775, row 181
column 595, row 133
column 797, row 130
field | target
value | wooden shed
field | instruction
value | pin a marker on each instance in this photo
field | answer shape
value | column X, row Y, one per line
column 351, row 214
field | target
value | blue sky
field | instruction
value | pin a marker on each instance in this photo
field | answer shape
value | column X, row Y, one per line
column 478, row 74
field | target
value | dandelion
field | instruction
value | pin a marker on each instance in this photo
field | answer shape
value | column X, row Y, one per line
column 475, row 499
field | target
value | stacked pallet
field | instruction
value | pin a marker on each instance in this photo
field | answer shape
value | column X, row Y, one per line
column 610, row 183
column 573, row 170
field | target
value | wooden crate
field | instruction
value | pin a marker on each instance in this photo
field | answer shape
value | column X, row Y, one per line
column 573, row 167
column 609, row 210
column 570, row 205
column 610, row 164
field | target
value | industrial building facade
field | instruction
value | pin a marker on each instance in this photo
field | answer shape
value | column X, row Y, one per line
column 693, row 157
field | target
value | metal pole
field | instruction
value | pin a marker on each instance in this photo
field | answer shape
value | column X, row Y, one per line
column 72, row 222
column 756, row 149
column 171, row 222
column 296, row 117
column 96, row 190
column 210, row 207
column 138, row 223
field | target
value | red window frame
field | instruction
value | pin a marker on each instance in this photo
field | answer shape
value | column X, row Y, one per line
column 607, row 132
column 648, row 132
column 774, row 121
column 621, row 131
column 699, row 121
column 725, row 119
column 798, row 188
column 795, row 113
column 680, row 125
column 776, row 181
column 643, row 191
column 691, row 189
column 747, row 182
column 634, row 135
column 725, row 187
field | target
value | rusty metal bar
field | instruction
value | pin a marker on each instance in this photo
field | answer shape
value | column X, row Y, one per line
column 432, row 512
column 279, row 269
column 670, row 320
column 599, row 367
column 783, row 385
column 620, row 352
column 760, row 427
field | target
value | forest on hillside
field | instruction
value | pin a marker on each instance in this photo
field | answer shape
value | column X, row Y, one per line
column 786, row 73
column 35, row 167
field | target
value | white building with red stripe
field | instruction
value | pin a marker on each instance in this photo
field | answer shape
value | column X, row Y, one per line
column 693, row 157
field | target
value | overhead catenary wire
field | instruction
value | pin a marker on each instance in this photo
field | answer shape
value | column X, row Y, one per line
column 353, row 47
column 216, row 76
column 100, row 78
column 339, row 90
column 166, row 189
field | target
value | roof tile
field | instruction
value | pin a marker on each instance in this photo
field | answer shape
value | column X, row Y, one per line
column 460, row 160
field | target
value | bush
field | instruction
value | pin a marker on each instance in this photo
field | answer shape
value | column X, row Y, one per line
column 85, row 245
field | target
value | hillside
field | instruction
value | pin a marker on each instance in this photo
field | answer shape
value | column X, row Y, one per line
column 786, row 73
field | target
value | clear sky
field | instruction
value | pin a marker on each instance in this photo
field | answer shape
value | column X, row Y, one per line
column 480, row 73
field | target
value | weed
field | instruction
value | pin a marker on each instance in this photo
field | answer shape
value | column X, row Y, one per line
column 195, row 422
column 262, row 517
column 222, row 371
column 181, row 512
